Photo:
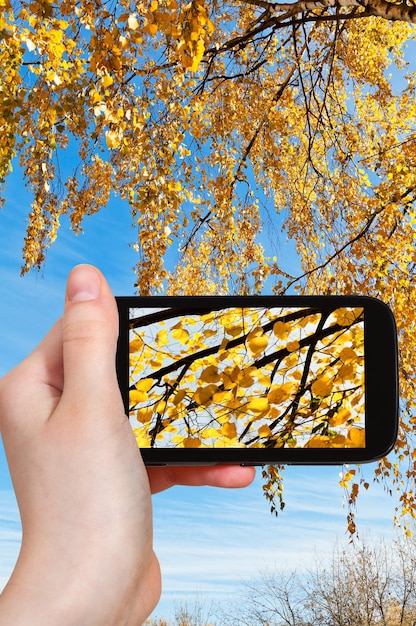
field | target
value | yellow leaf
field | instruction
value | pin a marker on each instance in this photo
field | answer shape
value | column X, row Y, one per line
column 142, row 437
column 339, row 441
column 346, row 317
column 229, row 430
column 208, row 433
column 292, row 346
column 191, row 442
column 124, row 42
column 203, row 395
column 210, row 27
column 347, row 354
column 179, row 396
column 162, row 338
column 145, row 384
column 234, row 330
column 356, row 437
column 107, row 80
column 322, row 387
column 264, row 431
column 112, row 139
column 319, row 441
column 346, row 372
column 340, row 417
column 258, row 344
column 231, row 376
column 280, row 393
column 144, row 415
column 151, row 29
column 246, row 381
column 210, row 375
column 181, row 334
column 281, row 330
column 258, row 405
column 137, row 395
column 132, row 22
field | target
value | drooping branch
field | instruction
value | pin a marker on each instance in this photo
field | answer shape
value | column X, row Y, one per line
column 363, row 231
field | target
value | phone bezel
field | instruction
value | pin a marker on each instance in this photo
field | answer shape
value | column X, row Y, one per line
column 381, row 381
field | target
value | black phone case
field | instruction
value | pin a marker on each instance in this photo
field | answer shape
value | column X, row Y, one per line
column 265, row 442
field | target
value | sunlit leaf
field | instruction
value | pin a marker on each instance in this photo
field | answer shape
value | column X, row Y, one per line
column 322, row 386
column 280, row 393
column 258, row 405
column 346, row 317
column 356, row 437
column 204, row 395
column 229, row 430
column 181, row 335
column 191, row 442
column 264, row 431
column 210, row 375
column 162, row 338
column 137, row 396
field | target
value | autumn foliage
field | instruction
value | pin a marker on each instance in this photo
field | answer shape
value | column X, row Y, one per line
column 226, row 127
column 248, row 378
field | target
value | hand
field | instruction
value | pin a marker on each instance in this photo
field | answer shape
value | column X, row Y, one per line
column 82, row 489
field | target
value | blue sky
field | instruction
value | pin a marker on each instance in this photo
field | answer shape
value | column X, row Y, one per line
column 208, row 541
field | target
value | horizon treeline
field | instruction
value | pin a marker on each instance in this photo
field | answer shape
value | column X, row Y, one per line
column 370, row 584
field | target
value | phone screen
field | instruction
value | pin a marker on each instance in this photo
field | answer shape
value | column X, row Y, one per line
column 253, row 377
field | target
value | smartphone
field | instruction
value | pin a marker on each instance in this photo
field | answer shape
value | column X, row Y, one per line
column 256, row 380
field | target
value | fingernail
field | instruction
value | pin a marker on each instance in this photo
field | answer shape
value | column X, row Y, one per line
column 83, row 284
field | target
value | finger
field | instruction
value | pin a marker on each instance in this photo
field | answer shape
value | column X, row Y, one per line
column 226, row 476
column 90, row 331
column 42, row 376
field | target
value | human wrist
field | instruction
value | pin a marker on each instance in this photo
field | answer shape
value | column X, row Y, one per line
column 51, row 597
column 84, row 597
column 21, row 605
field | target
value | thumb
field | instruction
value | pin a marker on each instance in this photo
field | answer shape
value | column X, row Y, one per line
column 90, row 331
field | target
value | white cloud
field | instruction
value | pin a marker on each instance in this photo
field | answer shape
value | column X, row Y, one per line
column 10, row 535
column 210, row 541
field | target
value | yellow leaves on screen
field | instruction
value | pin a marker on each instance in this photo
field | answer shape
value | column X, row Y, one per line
column 280, row 393
column 346, row 317
column 203, row 396
column 227, row 394
column 162, row 338
column 180, row 334
column 322, row 386
column 139, row 393
column 210, row 374
column 354, row 439
column 257, row 343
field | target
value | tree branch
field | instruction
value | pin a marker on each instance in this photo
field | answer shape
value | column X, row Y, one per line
column 269, row 358
column 380, row 8
column 347, row 244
